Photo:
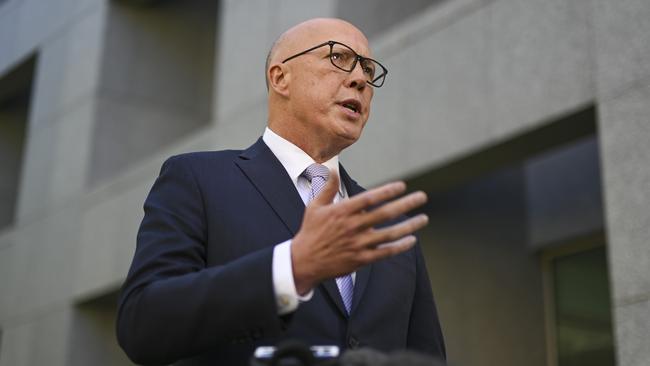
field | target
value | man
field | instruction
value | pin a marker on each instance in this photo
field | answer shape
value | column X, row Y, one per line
column 229, row 258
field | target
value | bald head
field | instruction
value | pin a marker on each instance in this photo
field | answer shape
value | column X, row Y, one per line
column 313, row 103
column 308, row 34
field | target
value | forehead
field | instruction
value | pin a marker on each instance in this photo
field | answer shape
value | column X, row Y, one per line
column 351, row 37
column 332, row 31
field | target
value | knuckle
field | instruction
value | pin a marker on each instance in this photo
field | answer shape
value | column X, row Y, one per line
column 389, row 235
column 367, row 200
column 350, row 242
column 336, row 213
column 393, row 249
column 381, row 214
column 365, row 257
column 385, row 252
column 409, row 226
column 372, row 237
column 350, row 224
column 360, row 242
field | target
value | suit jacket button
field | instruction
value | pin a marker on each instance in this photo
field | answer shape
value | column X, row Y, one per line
column 353, row 342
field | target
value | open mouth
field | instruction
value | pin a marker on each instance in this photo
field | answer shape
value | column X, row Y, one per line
column 352, row 105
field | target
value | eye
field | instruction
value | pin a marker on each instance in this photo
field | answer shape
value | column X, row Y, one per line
column 369, row 70
column 342, row 57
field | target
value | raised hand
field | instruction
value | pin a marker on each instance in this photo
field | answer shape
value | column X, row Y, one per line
column 337, row 238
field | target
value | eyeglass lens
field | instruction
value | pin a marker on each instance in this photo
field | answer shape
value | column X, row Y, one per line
column 345, row 58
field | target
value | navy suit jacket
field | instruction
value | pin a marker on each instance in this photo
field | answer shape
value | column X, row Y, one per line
column 200, row 289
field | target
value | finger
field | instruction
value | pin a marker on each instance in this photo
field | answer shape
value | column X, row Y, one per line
column 378, row 237
column 327, row 194
column 374, row 196
column 389, row 249
column 398, row 245
column 393, row 209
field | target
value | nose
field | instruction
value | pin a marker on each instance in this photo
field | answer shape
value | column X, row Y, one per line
column 356, row 78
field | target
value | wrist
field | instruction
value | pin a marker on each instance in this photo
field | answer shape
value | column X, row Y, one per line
column 303, row 276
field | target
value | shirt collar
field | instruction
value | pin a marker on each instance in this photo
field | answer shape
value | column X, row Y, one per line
column 294, row 159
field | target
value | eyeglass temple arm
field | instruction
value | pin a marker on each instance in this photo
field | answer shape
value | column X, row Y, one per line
column 308, row 50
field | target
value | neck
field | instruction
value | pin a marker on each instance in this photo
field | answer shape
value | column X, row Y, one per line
column 311, row 145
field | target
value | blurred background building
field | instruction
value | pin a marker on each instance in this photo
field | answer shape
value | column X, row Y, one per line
column 527, row 122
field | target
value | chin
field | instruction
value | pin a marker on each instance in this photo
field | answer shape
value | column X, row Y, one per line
column 348, row 139
column 351, row 130
column 345, row 133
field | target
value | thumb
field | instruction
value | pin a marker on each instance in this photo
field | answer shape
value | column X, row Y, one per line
column 327, row 194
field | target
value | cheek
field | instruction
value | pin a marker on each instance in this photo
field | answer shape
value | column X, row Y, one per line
column 322, row 98
column 371, row 93
column 369, row 104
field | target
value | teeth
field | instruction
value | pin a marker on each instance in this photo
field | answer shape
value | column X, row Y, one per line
column 350, row 106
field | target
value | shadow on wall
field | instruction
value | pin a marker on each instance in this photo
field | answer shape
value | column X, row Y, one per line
column 15, row 95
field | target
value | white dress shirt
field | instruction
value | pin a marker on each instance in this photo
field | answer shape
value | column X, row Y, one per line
column 294, row 161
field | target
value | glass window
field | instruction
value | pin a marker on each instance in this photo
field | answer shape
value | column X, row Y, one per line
column 581, row 324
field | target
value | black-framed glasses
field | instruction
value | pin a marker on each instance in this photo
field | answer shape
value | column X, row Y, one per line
column 343, row 57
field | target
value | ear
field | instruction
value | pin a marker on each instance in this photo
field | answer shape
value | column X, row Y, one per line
column 279, row 79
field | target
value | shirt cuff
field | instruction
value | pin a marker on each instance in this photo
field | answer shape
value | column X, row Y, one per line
column 286, row 295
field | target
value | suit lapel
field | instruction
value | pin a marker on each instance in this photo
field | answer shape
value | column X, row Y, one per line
column 332, row 289
column 270, row 178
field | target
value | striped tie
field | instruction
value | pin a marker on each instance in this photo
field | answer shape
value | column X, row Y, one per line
column 317, row 174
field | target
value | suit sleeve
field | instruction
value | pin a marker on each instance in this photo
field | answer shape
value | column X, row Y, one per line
column 172, row 306
column 424, row 332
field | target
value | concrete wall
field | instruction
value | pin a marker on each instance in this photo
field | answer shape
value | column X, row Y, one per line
column 625, row 132
column 37, row 254
column 155, row 84
column 623, row 79
column 463, row 75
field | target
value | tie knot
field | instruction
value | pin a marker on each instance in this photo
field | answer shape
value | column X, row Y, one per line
column 316, row 170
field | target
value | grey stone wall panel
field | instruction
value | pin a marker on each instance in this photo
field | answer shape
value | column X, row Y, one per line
column 624, row 134
column 244, row 43
column 107, row 240
column 67, row 70
column 432, row 105
column 40, row 340
column 540, row 61
column 622, row 39
column 41, row 258
column 32, row 23
column 55, row 163
column 246, row 34
column 500, row 70
column 632, row 328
